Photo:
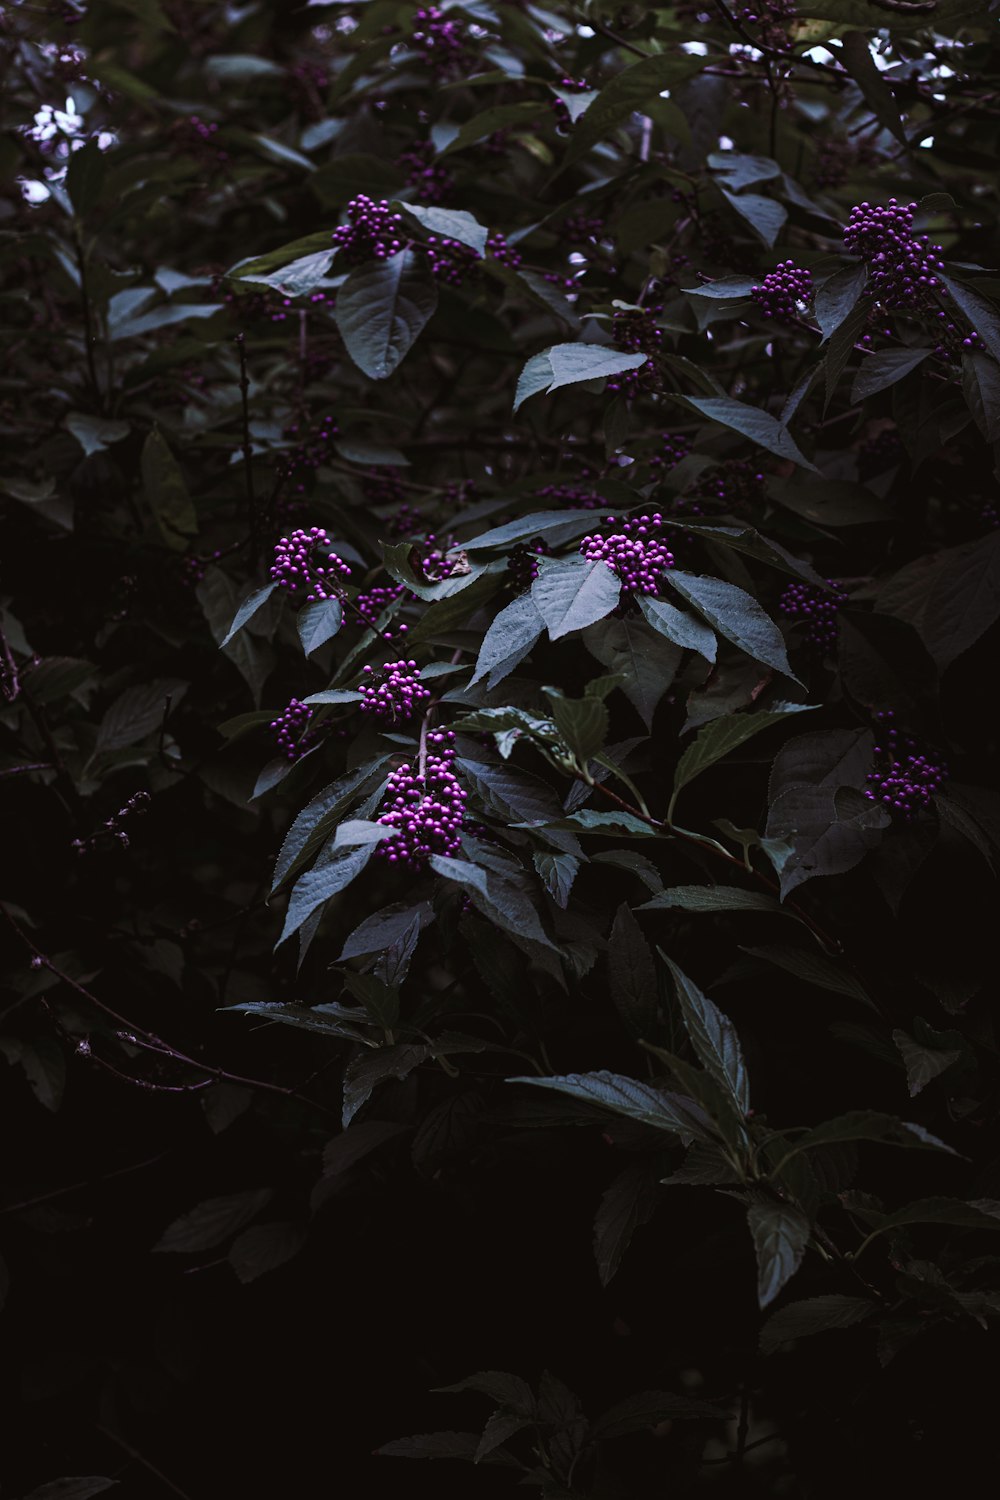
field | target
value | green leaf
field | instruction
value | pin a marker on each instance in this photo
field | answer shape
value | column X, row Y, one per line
column 629, row 91
column 557, row 873
column 318, row 623
column 983, row 315
column 735, row 614
column 636, row 1101
column 247, row 610
column 569, row 364
column 881, row 370
column 166, row 493
column 724, row 288
column 837, row 298
column 828, row 502
column 643, row 661
column 625, row 1206
column 212, row 1221
column 759, row 426
column 72, row 1488
column 488, row 121
column 981, row 384
column 922, row 1063
column 869, row 1125
column 264, row 1248
column 137, row 712
column 503, row 901
column 647, row 1409
column 951, row 597
column 299, row 277
column 855, row 52
column 582, row 722
column 94, row 434
column 573, row 592
column 451, row 223
column 382, row 309
column 807, row 964
column 686, row 631
column 632, row 974
column 780, row 1235
column 85, row 177
column 713, row 898
column 765, row 216
column 740, row 170
column 332, row 872
column 508, row 640
column 714, row 1039
column 719, row 738
column 798, row 1320
column 842, row 345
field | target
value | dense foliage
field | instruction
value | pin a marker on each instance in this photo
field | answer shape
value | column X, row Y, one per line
column 501, row 573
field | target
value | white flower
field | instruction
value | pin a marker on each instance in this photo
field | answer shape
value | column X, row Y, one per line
column 51, row 122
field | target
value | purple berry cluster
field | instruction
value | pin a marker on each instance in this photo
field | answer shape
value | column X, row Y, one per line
column 434, row 561
column 372, row 232
column 583, row 229
column 771, row 17
column 291, row 730
column 197, row 137
column 426, row 806
column 784, row 292
column 304, row 564
column 522, row 563
column 393, row 690
column 311, row 449
column 430, row 179
column 902, row 779
column 902, row 266
column 735, row 485
column 498, row 248
column 635, row 554
column 371, row 604
column 818, row 610
column 635, row 331
column 442, row 43
column 382, row 485
column 673, row 447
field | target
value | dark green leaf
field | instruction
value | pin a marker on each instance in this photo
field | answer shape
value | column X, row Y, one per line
column 735, row 614
column 265, row 1247
column 855, row 51
column 713, row 898
column 922, row 1063
column 981, row 384
column 648, row 1409
column 318, row 623
column 722, row 736
column 582, row 723
column 573, row 592
column 714, row 1039
column 334, row 870
column 837, row 298
column 213, row 1221
column 983, row 315
column 166, row 493
column 449, row 223
column 630, row 90
column 765, row 216
column 632, row 974
column 951, row 598
column 815, row 1315
column 625, row 1206
column 634, row 1100
column 247, row 610
column 507, row 642
column 780, row 1235
column 881, row 370
column 759, row 426
column 382, row 308
column 682, row 629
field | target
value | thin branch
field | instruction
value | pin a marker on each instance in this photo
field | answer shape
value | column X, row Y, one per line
column 248, row 449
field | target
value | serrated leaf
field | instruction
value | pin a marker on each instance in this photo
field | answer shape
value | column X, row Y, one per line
column 837, row 298
column 382, row 308
column 855, row 52
column 209, row 1223
column 488, row 121
column 451, row 223
column 166, row 493
column 922, row 1063
column 72, row 1488
column 714, row 1039
column 814, row 968
column 780, row 1235
column 648, row 1409
column 634, row 1100
column 318, row 623
column 508, row 640
column 983, row 315
column 247, row 610
column 635, row 86
column 719, row 738
column 684, row 630
column 759, row 426
column 632, row 974
column 765, row 216
column 713, row 898
column 582, row 723
column 951, row 598
column 332, row 872
column 799, row 1320
column 869, row 1125
column 573, row 592
column 736, row 615
column 316, row 821
column 981, row 384
column 881, row 370
column 625, row 1206
column 136, row 713
column 265, row 1247
column 644, row 661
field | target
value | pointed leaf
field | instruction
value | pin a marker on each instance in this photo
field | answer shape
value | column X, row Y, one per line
column 714, row 1039
column 636, row 1101
column 382, row 308
column 213, row 1221
column 759, row 426
column 735, row 614
column 572, row 593
column 798, row 1320
column 780, row 1235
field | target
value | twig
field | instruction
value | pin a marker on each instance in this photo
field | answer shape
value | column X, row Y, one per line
column 76, row 1187
column 88, row 322
column 134, row 1453
column 10, row 682
column 140, row 1036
